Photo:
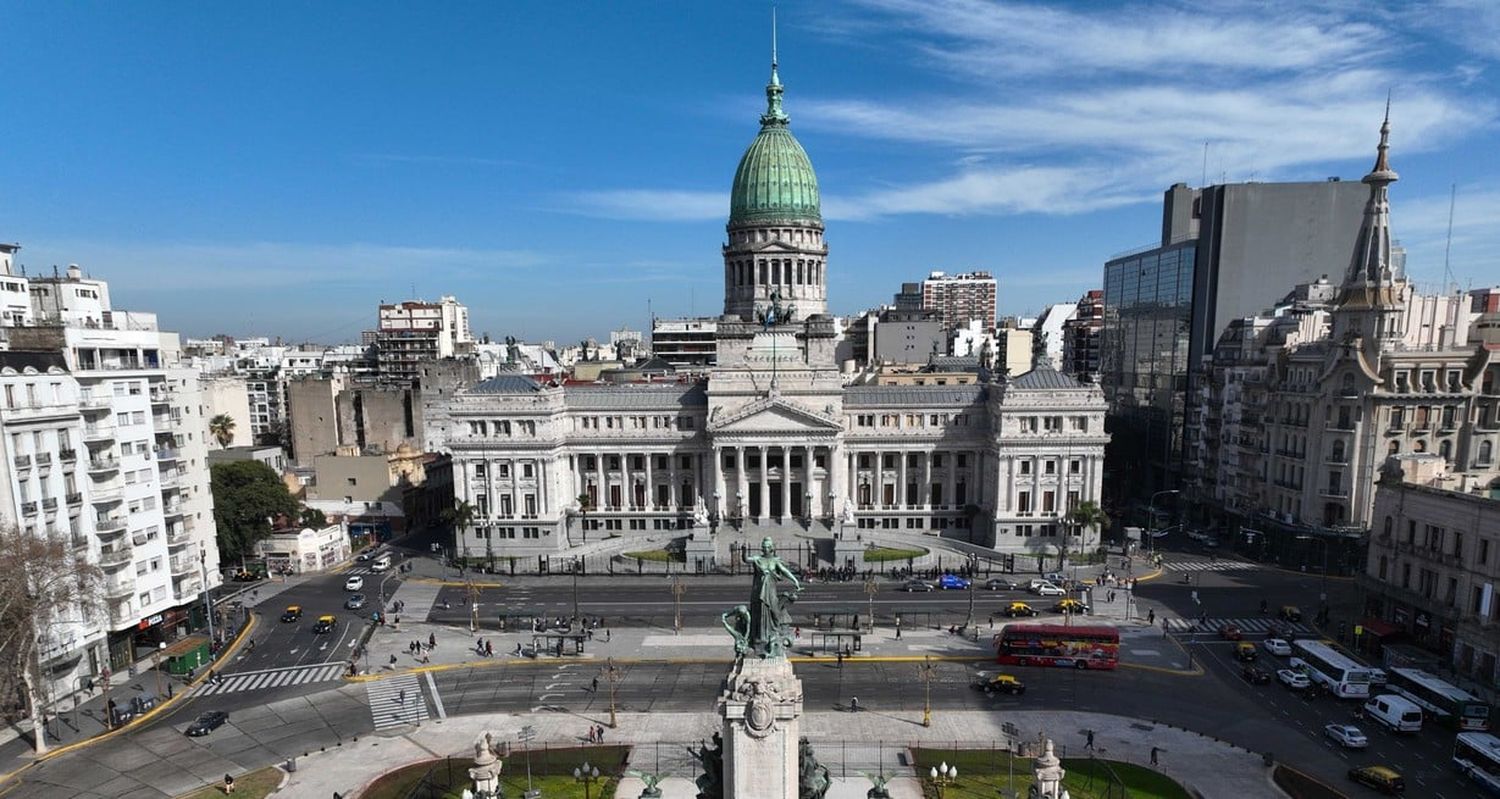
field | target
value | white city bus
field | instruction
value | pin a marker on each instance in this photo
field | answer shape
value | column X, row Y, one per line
column 1323, row 664
column 1477, row 756
column 1444, row 703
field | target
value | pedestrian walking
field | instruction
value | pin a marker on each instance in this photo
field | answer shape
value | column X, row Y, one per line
column 228, row 783
column 432, row 640
column 590, row 736
column 1154, row 751
column 1151, row 616
column 853, row 704
column 518, row 649
column 402, row 696
column 489, row 649
column 594, row 686
column 1090, row 745
column 601, row 733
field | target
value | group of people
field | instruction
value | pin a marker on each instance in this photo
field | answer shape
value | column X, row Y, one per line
column 596, row 734
column 485, row 648
column 841, row 575
column 419, row 649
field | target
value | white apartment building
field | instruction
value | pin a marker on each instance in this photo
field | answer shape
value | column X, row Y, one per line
column 141, row 478
column 957, row 299
column 414, row 331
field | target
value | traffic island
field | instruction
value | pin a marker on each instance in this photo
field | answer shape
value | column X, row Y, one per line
column 996, row 772
column 551, row 772
column 254, row 785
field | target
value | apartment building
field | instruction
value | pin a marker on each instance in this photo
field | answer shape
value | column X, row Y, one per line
column 1081, row 334
column 957, row 299
column 413, row 331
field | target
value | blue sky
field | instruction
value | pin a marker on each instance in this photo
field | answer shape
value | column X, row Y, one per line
column 280, row 168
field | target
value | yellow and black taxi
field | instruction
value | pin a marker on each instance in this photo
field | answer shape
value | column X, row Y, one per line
column 1018, row 609
column 1245, row 651
column 996, row 683
column 1380, row 778
column 1069, row 605
column 325, row 624
column 1290, row 613
column 292, row 613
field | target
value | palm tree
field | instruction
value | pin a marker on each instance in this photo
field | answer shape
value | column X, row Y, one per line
column 585, row 504
column 221, row 427
column 1087, row 516
column 461, row 516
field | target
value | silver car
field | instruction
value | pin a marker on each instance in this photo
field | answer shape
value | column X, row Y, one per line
column 354, row 602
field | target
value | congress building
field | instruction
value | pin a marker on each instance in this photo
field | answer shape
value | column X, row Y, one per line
column 775, row 441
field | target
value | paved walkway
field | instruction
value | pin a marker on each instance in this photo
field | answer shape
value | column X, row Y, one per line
column 847, row 743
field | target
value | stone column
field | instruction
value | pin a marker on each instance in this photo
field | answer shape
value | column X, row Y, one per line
column 900, row 480
column 786, row 482
column 602, row 488
column 765, row 485
column 650, row 486
column 742, row 497
column 926, row 489
column 837, row 481
column 810, row 492
column 762, row 709
column 718, row 481
column 953, row 479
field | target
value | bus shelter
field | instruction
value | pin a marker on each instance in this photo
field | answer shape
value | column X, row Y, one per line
column 558, row 644
column 834, row 642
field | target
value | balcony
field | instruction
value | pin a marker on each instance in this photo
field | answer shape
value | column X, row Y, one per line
column 109, row 525
column 118, row 589
column 114, row 558
column 28, row 508
column 44, row 460
column 160, row 395
column 188, row 588
column 75, row 498
column 172, row 510
column 22, row 461
column 1334, row 491
column 91, row 401
column 167, row 454
column 98, row 432
column 67, row 455
column 49, row 503
column 183, row 565
column 166, row 424
column 104, row 464
column 179, row 535
column 106, row 496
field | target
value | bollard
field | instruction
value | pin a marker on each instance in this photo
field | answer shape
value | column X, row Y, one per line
column 1268, row 759
column 291, row 765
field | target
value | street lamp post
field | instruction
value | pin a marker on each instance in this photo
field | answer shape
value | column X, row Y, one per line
column 925, row 672
column 678, row 589
column 575, row 588
column 471, row 592
column 527, row 735
column 208, row 597
column 1323, row 583
column 612, row 675
column 1151, row 517
column 969, row 623
column 943, row 777
column 586, row 775
column 161, row 649
column 872, row 587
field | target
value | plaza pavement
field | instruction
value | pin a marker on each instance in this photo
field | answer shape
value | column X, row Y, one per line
column 848, row 743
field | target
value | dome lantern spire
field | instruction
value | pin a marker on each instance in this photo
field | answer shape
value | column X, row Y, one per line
column 774, row 114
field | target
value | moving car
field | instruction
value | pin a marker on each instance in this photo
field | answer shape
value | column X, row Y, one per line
column 1293, row 679
column 952, row 581
column 1380, row 778
column 325, row 624
column 1245, row 651
column 206, row 723
column 1255, row 676
column 1069, row 605
column 1047, row 589
column 1347, row 736
column 1397, row 713
column 366, row 555
column 999, row 683
column 1229, row 632
column 354, row 602
column 1277, row 646
column 381, row 563
column 293, row 613
column 1002, row 584
column 354, row 583
column 1056, row 578
column 1290, row 613
column 1016, row 609
column 916, row 585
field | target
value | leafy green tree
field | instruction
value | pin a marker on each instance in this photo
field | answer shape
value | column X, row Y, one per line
column 247, row 496
column 314, row 518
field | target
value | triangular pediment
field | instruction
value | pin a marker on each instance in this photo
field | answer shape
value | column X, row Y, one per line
column 773, row 415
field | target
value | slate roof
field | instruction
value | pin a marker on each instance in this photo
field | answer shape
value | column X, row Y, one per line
column 644, row 396
column 1044, row 377
column 912, row 396
column 953, row 363
column 507, row 384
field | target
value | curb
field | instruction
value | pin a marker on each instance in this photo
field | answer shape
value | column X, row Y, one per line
column 687, row 661
column 160, row 708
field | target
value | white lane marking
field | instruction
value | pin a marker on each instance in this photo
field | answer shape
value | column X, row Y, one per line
column 437, row 701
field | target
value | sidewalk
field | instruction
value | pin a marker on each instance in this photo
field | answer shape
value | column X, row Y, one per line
column 847, row 743
column 389, row 648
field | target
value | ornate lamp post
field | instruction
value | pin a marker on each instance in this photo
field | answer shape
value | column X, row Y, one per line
column 161, row 648
column 678, row 589
column 925, row 672
column 872, row 587
column 586, row 775
column 612, row 674
column 944, row 777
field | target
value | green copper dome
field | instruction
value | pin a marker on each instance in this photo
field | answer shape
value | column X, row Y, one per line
column 775, row 180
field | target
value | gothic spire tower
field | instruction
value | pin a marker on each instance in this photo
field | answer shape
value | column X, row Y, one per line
column 775, row 249
column 1370, row 302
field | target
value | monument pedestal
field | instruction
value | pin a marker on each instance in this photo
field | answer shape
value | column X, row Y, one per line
column 762, row 708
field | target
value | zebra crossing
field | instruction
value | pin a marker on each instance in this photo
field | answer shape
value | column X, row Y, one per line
column 272, row 678
column 396, row 702
column 1259, row 624
column 1208, row 565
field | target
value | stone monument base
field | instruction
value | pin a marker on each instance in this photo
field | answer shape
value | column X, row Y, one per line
column 762, row 710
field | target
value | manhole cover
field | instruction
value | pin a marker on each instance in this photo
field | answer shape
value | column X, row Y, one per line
column 1142, row 727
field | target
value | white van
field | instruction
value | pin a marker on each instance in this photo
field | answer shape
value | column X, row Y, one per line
column 1397, row 713
column 381, row 563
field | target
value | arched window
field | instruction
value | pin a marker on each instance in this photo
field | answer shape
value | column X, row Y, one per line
column 1420, row 446
column 1394, row 448
column 1485, row 451
column 1383, row 566
column 1338, row 451
column 1390, row 525
column 1445, row 448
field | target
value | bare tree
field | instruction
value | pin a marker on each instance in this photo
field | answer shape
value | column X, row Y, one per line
column 44, row 584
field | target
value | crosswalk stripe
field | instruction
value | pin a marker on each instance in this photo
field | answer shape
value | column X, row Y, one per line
column 1247, row 625
column 1208, row 566
column 386, row 706
column 276, row 678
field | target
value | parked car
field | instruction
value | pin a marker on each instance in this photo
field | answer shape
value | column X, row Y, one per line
column 354, row 583
column 1230, row 632
column 1070, row 606
column 1277, row 646
column 1245, row 651
column 1381, row 778
column 999, row 683
column 1016, row 609
column 206, row 723
column 912, row 586
column 1255, row 676
column 1290, row 613
column 325, row 624
column 1056, row 578
column 1047, row 589
column 952, row 582
column 354, row 602
column 365, row 555
column 1347, row 736
column 1002, row 584
column 292, row 613
column 1293, row 679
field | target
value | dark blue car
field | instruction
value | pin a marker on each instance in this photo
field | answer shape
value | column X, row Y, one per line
column 952, row 581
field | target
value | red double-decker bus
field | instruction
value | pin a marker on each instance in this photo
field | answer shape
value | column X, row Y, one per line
column 1057, row 645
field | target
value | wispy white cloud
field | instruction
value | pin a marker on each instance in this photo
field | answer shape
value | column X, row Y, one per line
column 657, row 205
column 1421, row 223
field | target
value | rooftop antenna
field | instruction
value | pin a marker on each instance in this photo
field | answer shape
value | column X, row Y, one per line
column 1204, row 180
column 773, row 37
column 1448, row 247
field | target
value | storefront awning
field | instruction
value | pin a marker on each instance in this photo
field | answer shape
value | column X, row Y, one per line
column 1378, row 628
